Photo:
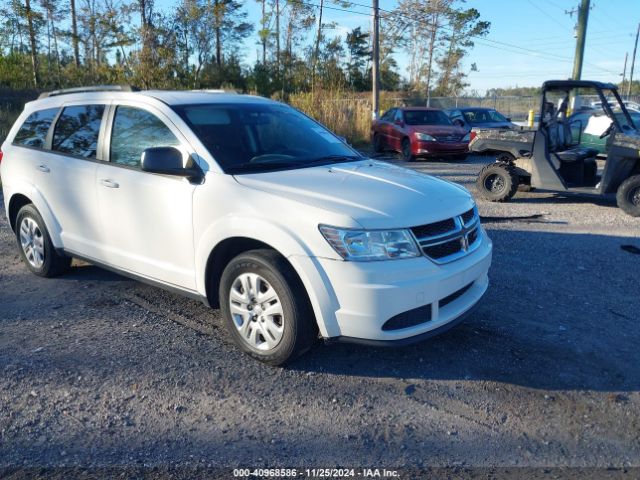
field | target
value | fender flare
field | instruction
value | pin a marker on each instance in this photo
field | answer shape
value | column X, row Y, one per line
column 33, row 194
column 315, row 281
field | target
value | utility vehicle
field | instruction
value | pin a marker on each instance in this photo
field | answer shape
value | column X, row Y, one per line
column 550, row 157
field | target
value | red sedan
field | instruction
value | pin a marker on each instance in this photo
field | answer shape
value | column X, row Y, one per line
column 419, row 132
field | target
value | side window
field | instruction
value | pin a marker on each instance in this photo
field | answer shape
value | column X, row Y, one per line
column 76, row 132
column 33, row 131
column 388, row 116
column 135, row 130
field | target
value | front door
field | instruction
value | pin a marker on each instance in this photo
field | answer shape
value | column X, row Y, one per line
column 147, row 220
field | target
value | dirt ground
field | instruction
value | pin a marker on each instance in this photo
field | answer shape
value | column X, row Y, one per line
column 101, row 375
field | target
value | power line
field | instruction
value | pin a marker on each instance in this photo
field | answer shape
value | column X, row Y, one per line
column 546, row 14
column 496, row 44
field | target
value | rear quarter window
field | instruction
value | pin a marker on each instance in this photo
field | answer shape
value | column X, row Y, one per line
column 33, row 132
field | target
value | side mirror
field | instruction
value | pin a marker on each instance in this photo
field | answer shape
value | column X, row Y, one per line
column 458, row 122
column 166, row 161
column 508, row 119
column 399, row 122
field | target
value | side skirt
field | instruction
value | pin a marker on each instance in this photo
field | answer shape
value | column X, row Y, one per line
column 134, row 276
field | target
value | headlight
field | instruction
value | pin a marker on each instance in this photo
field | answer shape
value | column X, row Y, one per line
column 467, row 137
column 367, row 245
column 425, row 137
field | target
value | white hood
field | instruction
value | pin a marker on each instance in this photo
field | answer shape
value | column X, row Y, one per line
column 375, row 194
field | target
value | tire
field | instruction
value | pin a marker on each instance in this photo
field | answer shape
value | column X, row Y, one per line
column 275, row 338
column 505, row 157
column 628, row 196
column 378, row 144
column 406, row 151
column 498, row 182
column 34, row 242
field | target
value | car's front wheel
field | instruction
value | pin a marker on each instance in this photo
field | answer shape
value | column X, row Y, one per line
column 36, row 249
column 265, row 307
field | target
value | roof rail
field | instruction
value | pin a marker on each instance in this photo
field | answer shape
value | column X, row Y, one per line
column 97, row 88
column 215, row 90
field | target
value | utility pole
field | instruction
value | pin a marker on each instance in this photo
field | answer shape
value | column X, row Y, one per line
column 624, row 70
column 633, row 62
column 581, row 33
column 375, row 67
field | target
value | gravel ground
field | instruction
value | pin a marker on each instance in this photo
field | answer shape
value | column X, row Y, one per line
column 106, row 376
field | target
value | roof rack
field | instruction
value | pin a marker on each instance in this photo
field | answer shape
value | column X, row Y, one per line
column 215, row 90
column 97, row 88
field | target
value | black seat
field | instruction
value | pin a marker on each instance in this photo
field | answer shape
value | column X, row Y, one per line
column 575, row 154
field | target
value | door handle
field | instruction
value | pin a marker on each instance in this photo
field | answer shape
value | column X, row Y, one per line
column 109, row 183
column 43, row 168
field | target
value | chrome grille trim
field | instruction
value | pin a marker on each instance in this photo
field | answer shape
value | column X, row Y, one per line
column 467, row 233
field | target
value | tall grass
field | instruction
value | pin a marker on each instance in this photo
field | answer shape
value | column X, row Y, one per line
column 346, row 113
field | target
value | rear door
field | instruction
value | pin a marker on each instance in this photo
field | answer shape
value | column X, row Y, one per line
column 147, row 219
column 66, row 175
column 32, row 155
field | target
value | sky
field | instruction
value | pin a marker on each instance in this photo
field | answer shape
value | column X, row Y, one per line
column 529, row 41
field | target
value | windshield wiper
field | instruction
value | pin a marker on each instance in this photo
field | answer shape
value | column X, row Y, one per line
column 332, row 159
column 260, row 166
column 276, row 165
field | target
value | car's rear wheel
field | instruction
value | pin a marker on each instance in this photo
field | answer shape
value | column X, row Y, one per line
column 378, row 144
column 406, row 151
column 628, row 196
column 266, row 308
column 498, row 182
column 36, row 249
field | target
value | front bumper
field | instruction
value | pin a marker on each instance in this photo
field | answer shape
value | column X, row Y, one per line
column 440, row 148
column 368, row 294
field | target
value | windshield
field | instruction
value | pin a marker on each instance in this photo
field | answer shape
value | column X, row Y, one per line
column 484, row 116
column 626, row 123
column 248, row 138
column 426, row 117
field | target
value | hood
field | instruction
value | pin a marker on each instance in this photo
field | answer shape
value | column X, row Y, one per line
column 438, row 129
column 374, row 194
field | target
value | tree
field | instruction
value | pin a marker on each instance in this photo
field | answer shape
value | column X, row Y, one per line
column 357, row 43
column 229, row 27
column 30, row 14
column 464, row 26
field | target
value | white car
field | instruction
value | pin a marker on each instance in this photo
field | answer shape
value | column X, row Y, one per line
column 248, row 205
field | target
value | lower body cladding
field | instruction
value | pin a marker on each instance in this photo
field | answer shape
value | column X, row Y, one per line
column 402, row 301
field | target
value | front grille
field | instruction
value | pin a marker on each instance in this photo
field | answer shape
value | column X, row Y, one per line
column 454, row 296
column 448, row 138
column 468, row 216
column 434, row 229
column 443, row 249
column 448, row 239
column 473, row 236
column 409, row 319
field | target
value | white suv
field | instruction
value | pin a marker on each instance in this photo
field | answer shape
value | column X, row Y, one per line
column 248, row 205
